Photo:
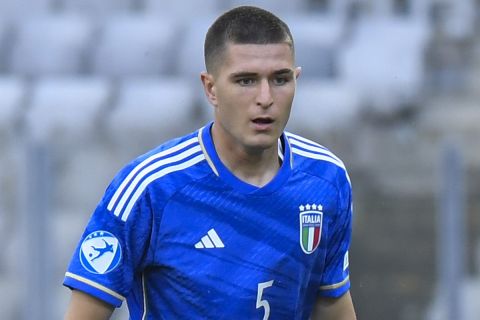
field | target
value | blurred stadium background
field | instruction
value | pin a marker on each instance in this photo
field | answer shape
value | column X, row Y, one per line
column 392, row 87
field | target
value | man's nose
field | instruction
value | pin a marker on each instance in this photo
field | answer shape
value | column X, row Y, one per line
column 265, row 98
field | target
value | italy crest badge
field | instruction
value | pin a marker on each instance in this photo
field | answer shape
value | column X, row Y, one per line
column 311, row 218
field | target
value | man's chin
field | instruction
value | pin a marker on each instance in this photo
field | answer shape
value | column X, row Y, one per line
column 262, row 142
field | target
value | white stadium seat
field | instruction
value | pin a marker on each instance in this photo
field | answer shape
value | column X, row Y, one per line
column 12, row 99
column 96, row 8
column 278, row 7
column 421, row 8
column 340, row 8
column 65, row 109
column 51, row 45
column 317, row 42
column 323, row 106
column 5, row 32
column 135, row 45
column 190, row 62
column 190, row 59
column 461, row 20
column 384, row 60
column 185, row 10
column 150, row 110
column 24, row 9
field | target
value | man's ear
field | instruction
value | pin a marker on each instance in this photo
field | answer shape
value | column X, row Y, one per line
column 209, row 87
column 298, row 71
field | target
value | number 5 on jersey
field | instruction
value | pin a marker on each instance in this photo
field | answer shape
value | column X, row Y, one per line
column 263, row 303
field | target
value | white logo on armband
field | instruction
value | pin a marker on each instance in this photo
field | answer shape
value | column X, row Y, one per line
column 345, row 261
column 100, row 252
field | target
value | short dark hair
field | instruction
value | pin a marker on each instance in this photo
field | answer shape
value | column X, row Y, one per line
column 244, row 25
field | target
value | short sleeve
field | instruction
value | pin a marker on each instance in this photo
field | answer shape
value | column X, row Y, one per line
column 335, row 278
column 111, row 251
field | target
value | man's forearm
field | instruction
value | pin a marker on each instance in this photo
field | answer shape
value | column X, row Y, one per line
column 334, row 308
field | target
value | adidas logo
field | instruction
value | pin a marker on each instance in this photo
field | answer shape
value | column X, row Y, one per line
column 210, row 240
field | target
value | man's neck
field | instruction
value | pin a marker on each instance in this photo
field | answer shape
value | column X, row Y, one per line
column 254, row 166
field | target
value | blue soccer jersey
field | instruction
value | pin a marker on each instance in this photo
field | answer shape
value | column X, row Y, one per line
column 180, row 237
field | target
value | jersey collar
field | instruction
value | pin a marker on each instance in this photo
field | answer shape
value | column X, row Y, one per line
column 206, row 142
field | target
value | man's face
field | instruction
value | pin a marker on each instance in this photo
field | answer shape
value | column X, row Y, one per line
column 252, row 91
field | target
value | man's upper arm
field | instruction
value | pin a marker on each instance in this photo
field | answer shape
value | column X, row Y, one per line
column 340, row 308
column 84, row 306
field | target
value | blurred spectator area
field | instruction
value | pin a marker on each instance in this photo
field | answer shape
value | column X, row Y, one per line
column 95, row 83
column 389, row 52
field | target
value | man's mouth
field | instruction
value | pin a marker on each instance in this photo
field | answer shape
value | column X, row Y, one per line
column 262, row 120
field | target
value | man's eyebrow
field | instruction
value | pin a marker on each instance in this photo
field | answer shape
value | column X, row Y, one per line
column 243, row 74
column 254, row 74
column 283, row 71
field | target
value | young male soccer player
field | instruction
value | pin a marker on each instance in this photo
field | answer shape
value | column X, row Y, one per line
column 239, row 220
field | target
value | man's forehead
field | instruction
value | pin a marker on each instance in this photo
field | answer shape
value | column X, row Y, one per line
column 277, row 55
column 254, row 49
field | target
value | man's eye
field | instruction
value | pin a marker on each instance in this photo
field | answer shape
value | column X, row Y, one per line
column 246, row 81
column 280, row 81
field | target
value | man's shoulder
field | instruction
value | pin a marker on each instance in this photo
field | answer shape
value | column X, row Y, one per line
column 175, row 155
column 316, row 159
column 170, row 147
column 167, row 167
column 169, row 151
